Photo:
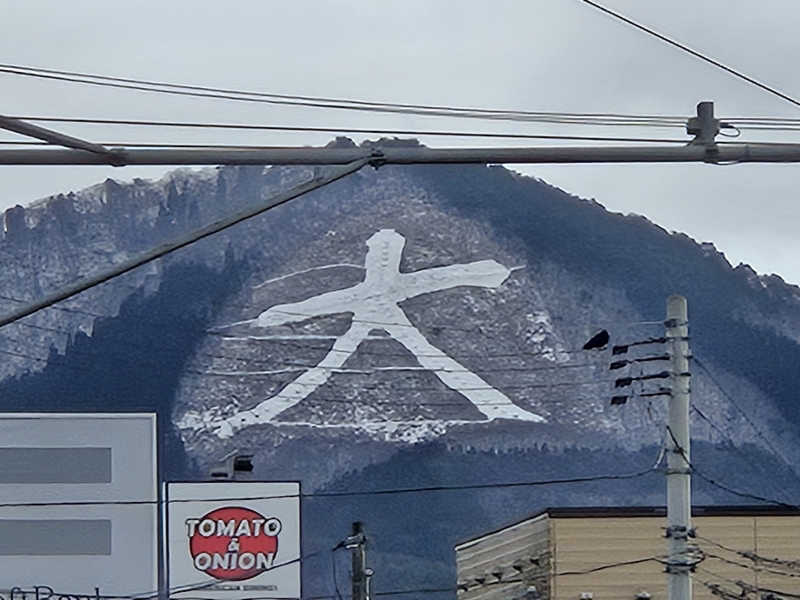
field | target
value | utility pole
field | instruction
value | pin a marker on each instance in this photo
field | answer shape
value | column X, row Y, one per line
column 703, row 148
column 679, row 493
column 357, row 543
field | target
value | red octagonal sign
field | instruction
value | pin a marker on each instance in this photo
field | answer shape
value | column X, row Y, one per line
column 233, row 543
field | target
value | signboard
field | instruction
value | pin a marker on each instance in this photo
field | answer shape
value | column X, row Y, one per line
column 226, row 539
column 67, row 526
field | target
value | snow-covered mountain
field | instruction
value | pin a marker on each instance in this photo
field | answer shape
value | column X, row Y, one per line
column 405, row 326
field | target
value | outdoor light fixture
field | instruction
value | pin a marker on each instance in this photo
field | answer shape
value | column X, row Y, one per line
column 232, row 464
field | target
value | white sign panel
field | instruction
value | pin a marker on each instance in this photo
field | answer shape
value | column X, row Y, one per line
column 229, row 539
column 65, row 527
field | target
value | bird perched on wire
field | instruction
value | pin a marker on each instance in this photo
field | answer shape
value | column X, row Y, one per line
column 598, row 341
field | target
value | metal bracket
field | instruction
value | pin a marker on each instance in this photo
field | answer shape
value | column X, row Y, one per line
column 378, row 159
column 675, row 531
column 704, row 127
column 678, row 568
column 677, row 471
column 353, row 541
column 679, row 532
column 670, row 323
column 662, row 391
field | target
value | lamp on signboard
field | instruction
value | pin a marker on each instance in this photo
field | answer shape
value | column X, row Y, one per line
column 235, row 465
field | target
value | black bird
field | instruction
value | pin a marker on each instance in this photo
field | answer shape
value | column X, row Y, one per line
column 598, row 341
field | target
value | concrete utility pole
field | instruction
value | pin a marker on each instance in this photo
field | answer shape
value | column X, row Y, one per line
column 357, row 543
column 679, row 493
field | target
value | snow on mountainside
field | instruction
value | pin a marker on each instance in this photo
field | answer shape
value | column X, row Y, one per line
column 463, row 350
column 406, row 326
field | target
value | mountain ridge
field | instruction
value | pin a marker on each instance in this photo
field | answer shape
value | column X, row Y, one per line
column 185, row 334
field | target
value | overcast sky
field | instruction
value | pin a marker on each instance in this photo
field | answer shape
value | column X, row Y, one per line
column 541, row 55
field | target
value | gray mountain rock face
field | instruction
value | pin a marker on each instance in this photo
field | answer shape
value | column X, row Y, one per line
column 515, row 341
column 439, row 308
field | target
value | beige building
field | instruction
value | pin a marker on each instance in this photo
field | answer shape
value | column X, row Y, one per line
column 619, row 553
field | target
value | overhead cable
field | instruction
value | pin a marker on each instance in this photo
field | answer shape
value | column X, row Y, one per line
column 499, row 115
column 347, row 494
column 694, row 53
column 741, row 494
column 746, row 588
column 164, row 249
column 497, row 582
column 722, row 486
column 735, row 404
column 301, row 367
column 331, row 103
column 725, row 435
column 585, row 119
column 753, row 556
column 754, row 568
column 454, row 589
column 172, row 590
column 443, row 390
column 334, row 130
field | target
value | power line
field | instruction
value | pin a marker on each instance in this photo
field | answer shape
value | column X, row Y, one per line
column 288, row 365
column 444, row 389
column 304, row 345
column 162, row 250
column 66, row 309
column 499, row 582
column 723, row 486
column 310, row 316
column 753, row 568
column 704, row 569
column 486, row 388
column 746, row 588
column 626, row 563
column 475, row 330
column 217, row 330
column 735, row 404
column 500, row 115
column 211, row 146
column 336, row 103
column 348, row 494
column 175, row 589
column 747, row 458
column 717, row 589
column 794, row 564
column 373, row 370
column 740, row 122
column 711, row 424
column 747, row 495
column 223, row 146
column 333, row 575
column 341, row 130
column 285, row 366
column 367, row 371
column 694, row 53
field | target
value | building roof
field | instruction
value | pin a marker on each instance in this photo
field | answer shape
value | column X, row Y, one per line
column 719, row 510
column 593, row 512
